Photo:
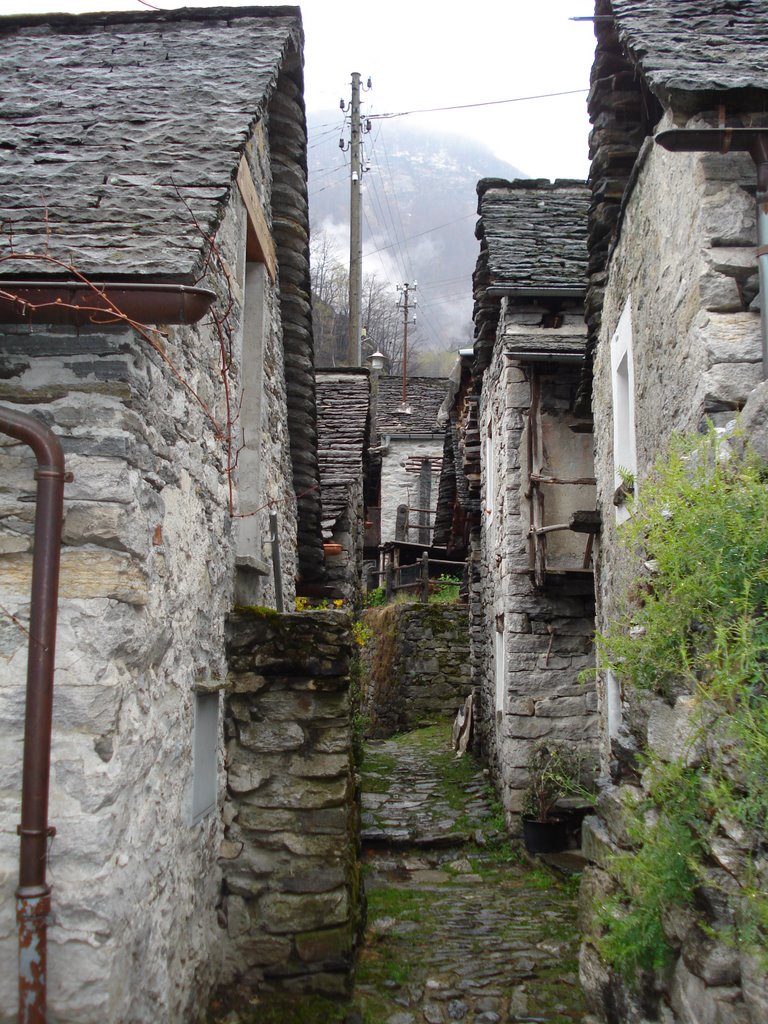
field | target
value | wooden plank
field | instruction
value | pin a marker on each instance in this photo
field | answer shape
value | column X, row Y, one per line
column 576, row 481
column 260, row 247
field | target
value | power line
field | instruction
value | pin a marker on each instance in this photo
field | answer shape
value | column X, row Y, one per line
column 422, row 233
column 470, row 106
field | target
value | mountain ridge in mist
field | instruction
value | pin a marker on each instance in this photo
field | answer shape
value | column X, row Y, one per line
column 419, row 212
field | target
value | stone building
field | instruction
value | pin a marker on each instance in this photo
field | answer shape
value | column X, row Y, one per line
column 343, row 431
column 677, row 102
column 153, row 163
column 411, row 451
column 454, row 506
column 527, row 465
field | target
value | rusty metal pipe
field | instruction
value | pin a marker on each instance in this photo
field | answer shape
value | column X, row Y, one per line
column 33, row 892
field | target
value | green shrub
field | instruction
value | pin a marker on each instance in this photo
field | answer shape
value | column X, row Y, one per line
column 695, row 622
column 446, row 589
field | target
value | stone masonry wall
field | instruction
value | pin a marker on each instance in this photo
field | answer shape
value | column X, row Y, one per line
column 547, row 632
column 416, row 665
column 400, row 481
column 345, row 570
column 686, row 262
column 291, row 900
column 147, row 578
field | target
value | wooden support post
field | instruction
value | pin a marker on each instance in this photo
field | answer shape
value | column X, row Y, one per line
column 401, row 523
column 389, row 582
column 425, row 578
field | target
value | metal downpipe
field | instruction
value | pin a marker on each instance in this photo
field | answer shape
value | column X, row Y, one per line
column 33, row 893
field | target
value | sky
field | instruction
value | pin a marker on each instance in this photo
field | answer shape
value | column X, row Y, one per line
column 424, row 54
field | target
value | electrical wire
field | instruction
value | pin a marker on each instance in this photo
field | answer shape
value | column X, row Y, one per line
column 420, row 234
column 385, row 216
column 471, row 106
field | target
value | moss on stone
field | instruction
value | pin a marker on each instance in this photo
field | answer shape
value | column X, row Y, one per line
column 257, row 611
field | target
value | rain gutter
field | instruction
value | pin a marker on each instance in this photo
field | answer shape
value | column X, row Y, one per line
column 743, row 140
column 498, row 291
column 76, row 302
column 33, row 895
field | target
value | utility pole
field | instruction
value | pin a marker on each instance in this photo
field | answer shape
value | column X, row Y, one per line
column 355, row 229
column 405, row 291
column 354, row 355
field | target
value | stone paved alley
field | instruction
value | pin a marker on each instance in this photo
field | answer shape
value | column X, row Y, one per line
column 460, row 927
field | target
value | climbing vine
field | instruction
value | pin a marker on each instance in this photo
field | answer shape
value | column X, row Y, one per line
column 696, row 624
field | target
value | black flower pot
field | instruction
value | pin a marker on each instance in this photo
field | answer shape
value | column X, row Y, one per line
column 545, row 836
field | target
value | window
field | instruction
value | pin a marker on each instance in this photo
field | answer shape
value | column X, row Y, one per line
column 623, row 392
column 249, row 550
column 205, row 751
column 490, row 471
column 500, row 668
column 613, row 712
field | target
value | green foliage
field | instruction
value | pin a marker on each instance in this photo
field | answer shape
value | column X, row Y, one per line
column 695, row 623
column 375, row 598
column 361, row 633
column 660, row 874
column 554, row 771
column 446, row 589
column 358, row 718
column 701, row 521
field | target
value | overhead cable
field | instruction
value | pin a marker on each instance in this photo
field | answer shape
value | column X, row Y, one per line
column 469, row 106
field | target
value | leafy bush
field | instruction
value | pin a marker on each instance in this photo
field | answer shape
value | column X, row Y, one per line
column 695, row 622
column 375, row 598
column 554, row 771
column 446, row 589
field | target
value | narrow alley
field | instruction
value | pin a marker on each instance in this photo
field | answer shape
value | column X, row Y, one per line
column 460, row 927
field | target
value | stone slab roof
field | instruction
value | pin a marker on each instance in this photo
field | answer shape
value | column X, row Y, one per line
column 109, row 123
column 425, row 397
column 696, row 45
column 343, row 424
column 534, row 232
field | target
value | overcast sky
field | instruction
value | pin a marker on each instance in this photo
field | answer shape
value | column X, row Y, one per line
column 425, row 54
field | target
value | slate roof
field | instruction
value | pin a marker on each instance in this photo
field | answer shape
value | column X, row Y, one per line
column 696, row 45
column 343, row 407
column 534, row 232
column 425, row 396
column 109, row 122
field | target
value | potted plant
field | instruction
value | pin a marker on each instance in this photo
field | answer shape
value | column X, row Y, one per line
column 554, row 772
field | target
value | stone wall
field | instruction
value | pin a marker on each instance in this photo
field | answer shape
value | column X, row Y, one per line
column 291, row 901
column 531, row 691
column 400, row 469
column 147, row 581
column 685, row 263
column 415, row 666
column 345, row 570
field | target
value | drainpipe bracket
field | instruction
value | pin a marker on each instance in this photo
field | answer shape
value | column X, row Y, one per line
column 50, row 831
column 53, row 473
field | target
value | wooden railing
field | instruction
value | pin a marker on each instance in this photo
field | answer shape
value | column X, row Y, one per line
column 418, row 577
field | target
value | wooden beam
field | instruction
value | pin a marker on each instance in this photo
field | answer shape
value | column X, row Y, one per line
column 260, row 247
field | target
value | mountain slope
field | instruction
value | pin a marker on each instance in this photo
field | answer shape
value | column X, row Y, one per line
column 419, row 214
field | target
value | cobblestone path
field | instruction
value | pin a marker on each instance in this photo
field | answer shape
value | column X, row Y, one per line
column 459, row 929
column 460, row 926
